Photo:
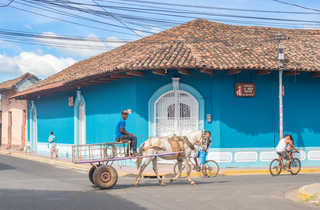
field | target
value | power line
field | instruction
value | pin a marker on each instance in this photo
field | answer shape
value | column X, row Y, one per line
column 67, row 21
column 211, row 7
column 95, row 12
column 185, row 11
column 149, row 11
column 25, row 35
column 144, row 20
column 252, row 29
column 14, row 33
column 8, row 4
column 64, row 13
column 117, row 19
column 52, row 44
column 297, row 5
column 212, row 14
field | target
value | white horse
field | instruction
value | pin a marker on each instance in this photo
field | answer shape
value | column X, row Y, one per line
column 158, row 145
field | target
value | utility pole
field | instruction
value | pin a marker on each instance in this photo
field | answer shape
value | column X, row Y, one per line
column 281, row 87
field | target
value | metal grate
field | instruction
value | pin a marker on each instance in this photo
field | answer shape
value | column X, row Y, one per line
column 176, row 113
column 97, row 152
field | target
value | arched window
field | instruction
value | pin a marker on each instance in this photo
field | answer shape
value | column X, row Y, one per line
column 162, row 109
column 170, row 120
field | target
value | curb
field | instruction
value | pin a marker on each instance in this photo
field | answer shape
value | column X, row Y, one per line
column 46, row 161
column 223, row 172
column 304, row 195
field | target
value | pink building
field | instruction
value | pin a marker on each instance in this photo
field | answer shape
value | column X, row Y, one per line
column 0, row 123
column 14, row 112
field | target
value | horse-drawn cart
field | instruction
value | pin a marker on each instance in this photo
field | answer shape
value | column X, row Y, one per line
column 101, row 157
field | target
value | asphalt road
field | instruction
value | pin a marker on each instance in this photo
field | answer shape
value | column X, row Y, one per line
column 27, row 185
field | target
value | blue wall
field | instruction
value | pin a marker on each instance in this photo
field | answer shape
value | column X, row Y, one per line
column 247, row 122
column 302, row 109
column 54, row 114
column 237, row 122
column 103, row 106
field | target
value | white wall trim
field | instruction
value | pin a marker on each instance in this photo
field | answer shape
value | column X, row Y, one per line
column 246, row 156
column 78, row 101
column 33, row 126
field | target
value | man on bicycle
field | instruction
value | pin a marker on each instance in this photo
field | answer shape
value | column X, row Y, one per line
column 203, row 152
column 284, row 150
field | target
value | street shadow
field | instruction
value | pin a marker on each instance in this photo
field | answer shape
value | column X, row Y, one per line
column 6, row 167
column 62, row 200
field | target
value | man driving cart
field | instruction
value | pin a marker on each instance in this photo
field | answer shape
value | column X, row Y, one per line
column 122, row 134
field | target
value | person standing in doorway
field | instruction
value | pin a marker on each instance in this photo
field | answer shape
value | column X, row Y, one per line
column 123, row 134
column 52, row 145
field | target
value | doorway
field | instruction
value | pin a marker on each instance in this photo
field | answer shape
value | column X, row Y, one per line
column 9, row 129
column 176, row 112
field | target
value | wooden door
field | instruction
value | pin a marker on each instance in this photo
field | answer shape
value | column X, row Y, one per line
column 9, row 129
column 23, row 129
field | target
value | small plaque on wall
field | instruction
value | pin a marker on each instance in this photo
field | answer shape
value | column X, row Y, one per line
column 245, row 90
column 71, row 101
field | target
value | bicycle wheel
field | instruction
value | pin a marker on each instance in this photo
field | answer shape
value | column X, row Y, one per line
column 275, row 167
column 295, row 166
column 212, row 168
column 176, row 169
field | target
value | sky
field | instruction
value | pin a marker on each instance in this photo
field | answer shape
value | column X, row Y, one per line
column 43, row 59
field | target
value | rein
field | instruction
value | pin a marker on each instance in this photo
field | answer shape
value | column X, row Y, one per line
column 190, row 145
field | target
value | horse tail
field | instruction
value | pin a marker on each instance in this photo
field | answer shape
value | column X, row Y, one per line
column 140, row 153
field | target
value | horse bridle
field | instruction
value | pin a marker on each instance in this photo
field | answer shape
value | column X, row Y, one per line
column 190, row 145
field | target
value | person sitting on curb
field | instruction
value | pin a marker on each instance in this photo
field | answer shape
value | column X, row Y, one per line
column 284, row 150
column 122, row 134
column 52, row 145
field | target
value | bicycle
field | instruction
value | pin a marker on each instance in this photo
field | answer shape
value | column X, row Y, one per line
column 212, row 167
column 276, row 167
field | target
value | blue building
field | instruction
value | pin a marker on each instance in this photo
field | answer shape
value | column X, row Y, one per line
column 200, row 75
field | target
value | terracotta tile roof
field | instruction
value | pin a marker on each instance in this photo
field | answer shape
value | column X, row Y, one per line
column 10, row 84
column 202, row 44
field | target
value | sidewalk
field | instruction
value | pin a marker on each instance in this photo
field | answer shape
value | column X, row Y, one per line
column 164, row 169
column 310, row 194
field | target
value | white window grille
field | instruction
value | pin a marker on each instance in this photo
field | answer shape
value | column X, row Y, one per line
column 169, row 120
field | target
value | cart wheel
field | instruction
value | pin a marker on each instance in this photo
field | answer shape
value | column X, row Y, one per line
column 105, row 177
column 91, row 171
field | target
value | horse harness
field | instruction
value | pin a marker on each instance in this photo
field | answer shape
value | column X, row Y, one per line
column 176, row 143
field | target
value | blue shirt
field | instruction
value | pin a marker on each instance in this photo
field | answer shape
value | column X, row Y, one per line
column 121, row 124
column 52, row 138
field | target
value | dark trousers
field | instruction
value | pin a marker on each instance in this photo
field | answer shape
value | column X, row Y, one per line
column 133, row 142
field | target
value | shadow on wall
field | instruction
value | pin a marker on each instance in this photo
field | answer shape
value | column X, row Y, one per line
column 254, row 122
column 301, row 109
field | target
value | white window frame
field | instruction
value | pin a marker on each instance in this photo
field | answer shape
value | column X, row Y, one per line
column 175, row 91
